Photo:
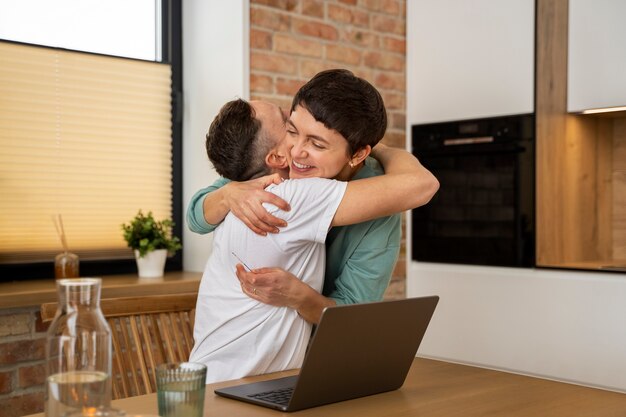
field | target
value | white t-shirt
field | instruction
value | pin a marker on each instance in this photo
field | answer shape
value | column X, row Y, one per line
column 236, row 336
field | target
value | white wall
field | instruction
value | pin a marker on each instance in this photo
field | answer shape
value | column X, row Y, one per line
column 215, row 70
column 563, row 325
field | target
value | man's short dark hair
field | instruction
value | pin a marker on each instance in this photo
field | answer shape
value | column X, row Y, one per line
column 345, row 103
column 236, row 143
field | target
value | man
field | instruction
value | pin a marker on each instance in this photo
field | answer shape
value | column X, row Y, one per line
column 234, row 334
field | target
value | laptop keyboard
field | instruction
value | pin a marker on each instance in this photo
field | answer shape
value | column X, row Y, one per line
column 279, row 396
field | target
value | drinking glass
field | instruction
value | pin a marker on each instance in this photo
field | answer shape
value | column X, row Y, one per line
column 180, row 389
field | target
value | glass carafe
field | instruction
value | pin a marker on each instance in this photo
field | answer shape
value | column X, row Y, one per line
column 78, row 351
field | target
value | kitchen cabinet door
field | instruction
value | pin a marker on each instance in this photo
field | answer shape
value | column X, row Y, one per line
column 596, row 54
column 469, row 59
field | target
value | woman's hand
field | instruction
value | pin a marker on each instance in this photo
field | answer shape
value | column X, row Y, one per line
column 273, row 286
column 245, row 200
column 277, row 287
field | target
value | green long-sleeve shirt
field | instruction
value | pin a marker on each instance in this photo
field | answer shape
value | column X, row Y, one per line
column 360, row 258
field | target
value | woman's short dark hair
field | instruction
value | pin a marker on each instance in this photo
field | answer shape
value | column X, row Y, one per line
column 235, row 143
column 345, row 103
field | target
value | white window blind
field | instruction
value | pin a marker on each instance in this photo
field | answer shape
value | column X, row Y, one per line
column 84, row 136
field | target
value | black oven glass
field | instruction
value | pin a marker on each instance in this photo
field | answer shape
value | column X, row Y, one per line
column 483, row 213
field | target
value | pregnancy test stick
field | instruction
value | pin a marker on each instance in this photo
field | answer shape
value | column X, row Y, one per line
column 242, row 262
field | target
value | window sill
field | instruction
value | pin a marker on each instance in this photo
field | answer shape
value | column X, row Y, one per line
column 34, row 293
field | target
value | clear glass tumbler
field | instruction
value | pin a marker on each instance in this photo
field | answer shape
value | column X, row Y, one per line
column 180, row 389
column 78, row 351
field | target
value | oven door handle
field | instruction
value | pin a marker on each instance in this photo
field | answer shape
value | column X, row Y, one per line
column 468, row 141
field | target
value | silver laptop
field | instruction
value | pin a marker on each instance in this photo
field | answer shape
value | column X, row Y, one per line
column 357, row 350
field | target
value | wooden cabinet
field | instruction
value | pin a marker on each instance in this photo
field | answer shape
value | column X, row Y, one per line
column 581, row 163
column 469, row 59
column 596, row 54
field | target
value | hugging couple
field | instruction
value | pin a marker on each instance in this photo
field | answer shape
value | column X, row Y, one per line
column 305, row 217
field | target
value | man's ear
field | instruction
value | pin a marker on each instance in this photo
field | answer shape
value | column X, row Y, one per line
column 360, row 155
column 275, row 160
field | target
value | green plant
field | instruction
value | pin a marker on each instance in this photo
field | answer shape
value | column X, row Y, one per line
column 145, row 234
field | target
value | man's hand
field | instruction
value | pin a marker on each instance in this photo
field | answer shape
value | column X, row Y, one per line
column 245, row 200
column 280, row 288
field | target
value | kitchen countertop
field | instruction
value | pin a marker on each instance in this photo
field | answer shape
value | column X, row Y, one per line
column 597, row 266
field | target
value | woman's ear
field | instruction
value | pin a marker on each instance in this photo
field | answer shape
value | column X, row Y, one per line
column 360, row 155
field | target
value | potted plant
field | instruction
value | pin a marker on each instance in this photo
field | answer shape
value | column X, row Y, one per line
column 151, row 241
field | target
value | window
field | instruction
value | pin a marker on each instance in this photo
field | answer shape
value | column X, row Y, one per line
column 90, row 136
column 112, row 27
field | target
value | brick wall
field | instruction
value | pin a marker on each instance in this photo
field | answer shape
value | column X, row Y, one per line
column 22, row 362
column 291, row 40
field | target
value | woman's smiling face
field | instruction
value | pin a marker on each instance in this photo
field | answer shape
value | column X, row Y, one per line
column 316, row 150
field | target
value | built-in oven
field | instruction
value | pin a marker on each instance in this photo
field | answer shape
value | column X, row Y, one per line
column 484, row 211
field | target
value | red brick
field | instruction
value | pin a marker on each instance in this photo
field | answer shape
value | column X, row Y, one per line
column 24, row 350
column 22, row 405
column 343, row 54
column 6, row 382
column 260, row 39
column 261, row 83
column 289, row 5
column 384, row 61
column 395, row 139
column 400, row 269
column 15, row 324
column 387, row 24
column 361, row 38
column 269, row 19
column 394, row 101
column 309, row 68
column 396, row 290
column 395, row 45
column 403, row 9
column 390, row 7
column 288, row 44
column 348, row 15
column 364, row 73
column 390, row 81
column 273, row 63
column 288, row 87
column 283, row 102
column 384, row 6
column 313, row 8
column 40, row 326
column 352, row 2
column 315, row 29
column 398, row 121
column 403, row 241
column 29, row 376
column 373, row 5
column 340, row 14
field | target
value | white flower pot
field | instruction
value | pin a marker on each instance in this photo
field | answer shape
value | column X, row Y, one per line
column 152, row 264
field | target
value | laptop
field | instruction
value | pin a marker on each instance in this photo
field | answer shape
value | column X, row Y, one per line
column 357, row 350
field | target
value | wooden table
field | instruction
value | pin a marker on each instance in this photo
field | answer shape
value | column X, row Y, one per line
column 435, row 388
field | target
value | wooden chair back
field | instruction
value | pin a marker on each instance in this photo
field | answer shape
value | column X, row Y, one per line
column 145, row 332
